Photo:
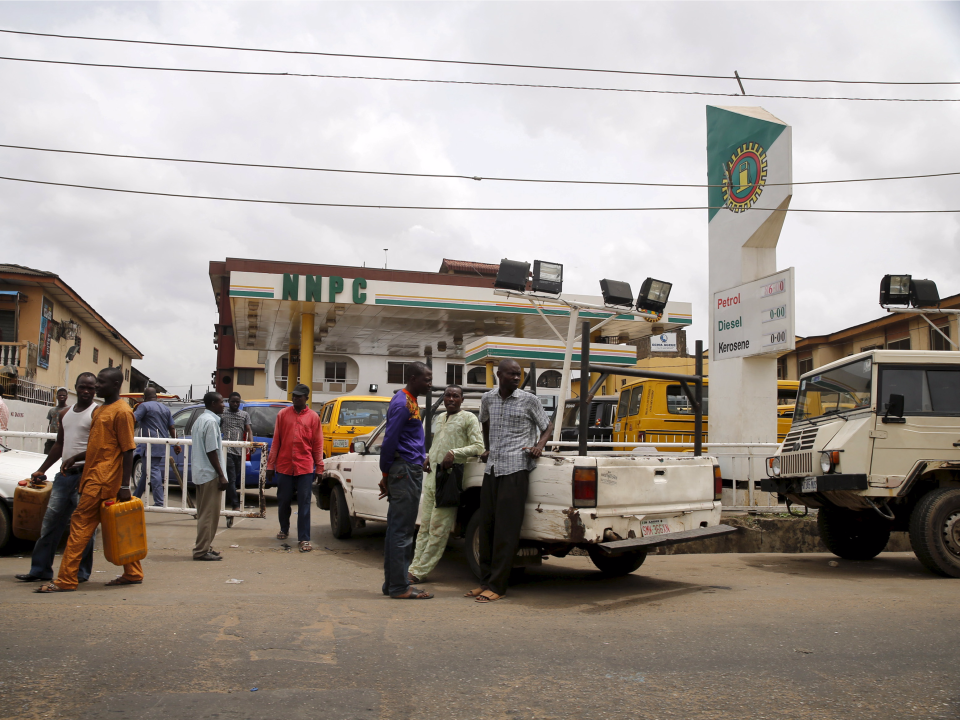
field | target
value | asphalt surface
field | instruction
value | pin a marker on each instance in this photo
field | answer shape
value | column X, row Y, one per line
column 309, row 635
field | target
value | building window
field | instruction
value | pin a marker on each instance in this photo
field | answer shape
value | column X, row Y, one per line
column 549, row 379
column 126, row 374
column 937, row 341
column 96, row 356
column 398, row 372
column 335, row 371
column 477, row 376
column 245, row 376
column 781, row 368
column 280, row 372
column 454, row 374
column 804, row 365
column 903, row 344
column 109, row 362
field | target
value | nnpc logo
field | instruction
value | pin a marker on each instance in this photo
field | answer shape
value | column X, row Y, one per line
column 744, row 177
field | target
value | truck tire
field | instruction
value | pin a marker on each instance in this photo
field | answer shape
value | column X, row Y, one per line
column 6, row 528
column 616, row 565
column 340, row 522
column 935, row 531
column 471, row 544
column 852, row 534
column 135, row 477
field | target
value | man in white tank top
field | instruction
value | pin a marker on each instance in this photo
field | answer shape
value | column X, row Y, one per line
column 74, row 428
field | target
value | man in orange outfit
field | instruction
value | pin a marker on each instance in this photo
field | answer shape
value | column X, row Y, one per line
column 106, row 475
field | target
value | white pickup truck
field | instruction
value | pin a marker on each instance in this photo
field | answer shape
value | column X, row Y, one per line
column 616, row 506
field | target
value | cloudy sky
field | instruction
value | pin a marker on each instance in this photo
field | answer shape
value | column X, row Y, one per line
column 143, row 261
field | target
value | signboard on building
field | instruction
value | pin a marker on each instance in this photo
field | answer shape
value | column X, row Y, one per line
column 757, row 318
column 665, row 342
column 46, row 333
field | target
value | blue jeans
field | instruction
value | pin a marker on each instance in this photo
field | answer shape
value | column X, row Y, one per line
column 404, row 483
column 287, row 485
column 235, row 474
column 56, row 520
column 156, row 478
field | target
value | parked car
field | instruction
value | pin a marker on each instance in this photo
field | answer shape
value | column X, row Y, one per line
column 263, row 419
column 348, row 416
column 16, row 465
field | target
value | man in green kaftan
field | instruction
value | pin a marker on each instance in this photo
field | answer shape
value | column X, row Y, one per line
column 457, row 437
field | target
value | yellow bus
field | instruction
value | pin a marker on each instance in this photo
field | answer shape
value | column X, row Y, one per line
column 659, row 411
column 347, row 417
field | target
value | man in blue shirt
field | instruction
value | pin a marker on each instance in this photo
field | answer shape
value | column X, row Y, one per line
column 207, row 475
column 401, row 461
column 153, row 419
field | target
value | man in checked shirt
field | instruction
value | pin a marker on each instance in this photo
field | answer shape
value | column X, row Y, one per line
column 512, row 420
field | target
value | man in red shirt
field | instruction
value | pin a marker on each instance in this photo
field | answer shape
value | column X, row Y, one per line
column 296, row 457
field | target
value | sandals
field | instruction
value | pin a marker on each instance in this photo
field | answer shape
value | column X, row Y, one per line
column 305, row 546
column 413, row 594
column 121, row 580
column 476, row 592
column 488, row 596
column 282, row 535
column 413, row 579
column 52, row 588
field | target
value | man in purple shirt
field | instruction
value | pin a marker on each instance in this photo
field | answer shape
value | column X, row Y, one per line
column 401, row 462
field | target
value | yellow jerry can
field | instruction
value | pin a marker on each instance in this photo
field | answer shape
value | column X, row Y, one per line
column 124, row 526
column 29, row 505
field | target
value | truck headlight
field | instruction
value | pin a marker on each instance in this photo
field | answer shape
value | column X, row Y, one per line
column 829, row 461
column 773, row 466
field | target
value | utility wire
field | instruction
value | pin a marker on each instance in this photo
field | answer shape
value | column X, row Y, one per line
column 439, row 207
column 472, row 62
column 468, row 82
column 453, row 176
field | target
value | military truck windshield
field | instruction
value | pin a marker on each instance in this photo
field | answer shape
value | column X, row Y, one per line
column 834, row 391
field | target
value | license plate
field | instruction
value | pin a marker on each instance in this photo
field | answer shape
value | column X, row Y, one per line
column 341, row 443
column 809, row 484
column 653, row 527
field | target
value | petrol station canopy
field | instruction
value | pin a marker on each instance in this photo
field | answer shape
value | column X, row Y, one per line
column 370, row 311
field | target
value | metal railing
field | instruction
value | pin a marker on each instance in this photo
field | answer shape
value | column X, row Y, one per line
column 186, row 502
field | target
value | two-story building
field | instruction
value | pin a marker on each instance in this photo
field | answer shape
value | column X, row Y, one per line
column 48, row 336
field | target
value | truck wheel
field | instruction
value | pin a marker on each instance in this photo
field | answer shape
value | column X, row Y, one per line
column 935, row 531
column 471, row 544
column 851, row 534
column 340, row 514
column 616, row 565
column 5, row 526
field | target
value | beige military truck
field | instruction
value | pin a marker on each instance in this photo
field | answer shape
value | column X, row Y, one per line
column 875, row 447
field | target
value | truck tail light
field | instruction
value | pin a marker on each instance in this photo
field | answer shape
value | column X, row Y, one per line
column 351, row 446
column 584, row 487
column 641, row 437
column 717, row 483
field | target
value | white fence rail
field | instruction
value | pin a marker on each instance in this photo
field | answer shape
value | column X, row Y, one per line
column 186, row 503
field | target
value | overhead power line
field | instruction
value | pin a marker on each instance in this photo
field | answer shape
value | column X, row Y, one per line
column 475, row 62
column 453, row 176
column 479, row 209
column 260, row 73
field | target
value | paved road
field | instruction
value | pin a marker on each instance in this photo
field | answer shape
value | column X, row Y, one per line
column 690, row 636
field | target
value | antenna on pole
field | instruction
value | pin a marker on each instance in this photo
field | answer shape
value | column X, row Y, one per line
column 385, row 258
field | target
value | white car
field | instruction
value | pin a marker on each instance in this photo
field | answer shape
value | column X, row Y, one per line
column 16, row 465
column 615, row 506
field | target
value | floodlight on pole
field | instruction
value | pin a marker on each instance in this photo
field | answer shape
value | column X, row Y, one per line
column 923, row 293
column 653, row 295
column 512, row 275
column 617, row 293
column 895, row 290
column 547, row 277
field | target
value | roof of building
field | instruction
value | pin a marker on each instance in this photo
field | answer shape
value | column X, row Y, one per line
column 52, row 285
column 952, row 302
column 468, row 267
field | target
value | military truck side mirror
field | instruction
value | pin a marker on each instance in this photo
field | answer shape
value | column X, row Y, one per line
column 359, row 447
column 894, row 410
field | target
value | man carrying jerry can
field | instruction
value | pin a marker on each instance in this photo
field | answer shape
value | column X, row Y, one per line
column 108, row 462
